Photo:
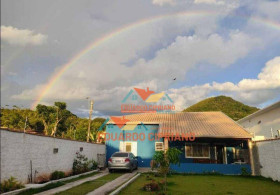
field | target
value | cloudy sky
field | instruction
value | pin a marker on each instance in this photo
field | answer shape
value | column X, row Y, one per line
column 212, row 47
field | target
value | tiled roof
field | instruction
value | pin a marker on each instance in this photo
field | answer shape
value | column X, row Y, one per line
column 203, row 124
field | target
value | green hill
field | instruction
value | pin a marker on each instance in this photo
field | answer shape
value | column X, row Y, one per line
column 234, row 109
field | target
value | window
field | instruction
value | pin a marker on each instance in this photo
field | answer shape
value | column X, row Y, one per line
column 197, row 151
column 81, row 149
column 55, row 150
column 120, row 154
column 128, row 147
column 158, row 146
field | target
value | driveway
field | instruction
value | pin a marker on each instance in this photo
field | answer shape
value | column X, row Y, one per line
column 110, row 186
column 73, row 184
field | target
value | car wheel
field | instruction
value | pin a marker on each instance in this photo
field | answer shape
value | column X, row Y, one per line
column 131, row 169
column 110, row 170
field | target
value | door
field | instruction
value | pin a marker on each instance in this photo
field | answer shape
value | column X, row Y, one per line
column 129, row 147
column 220, row 154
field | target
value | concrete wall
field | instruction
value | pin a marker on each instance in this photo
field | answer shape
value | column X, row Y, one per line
column 17, row 149
column 261, row 124
column 267, row 158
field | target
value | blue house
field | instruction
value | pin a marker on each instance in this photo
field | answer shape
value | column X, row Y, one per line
column 209, row 141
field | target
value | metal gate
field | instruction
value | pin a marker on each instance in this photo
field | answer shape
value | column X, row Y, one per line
column 101, row 159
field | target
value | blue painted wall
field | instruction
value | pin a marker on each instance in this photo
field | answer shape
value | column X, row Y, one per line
column 145, row 148
column 229, row 169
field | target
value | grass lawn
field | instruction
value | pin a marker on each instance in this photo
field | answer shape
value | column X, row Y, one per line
column 55, row 185
column 208, row 184
column 91, row 185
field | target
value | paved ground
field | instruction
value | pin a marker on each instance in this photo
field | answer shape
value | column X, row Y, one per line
column 112, row 184
column 73, row 184
column 101, row 190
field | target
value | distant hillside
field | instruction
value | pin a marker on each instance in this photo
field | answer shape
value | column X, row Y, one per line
column 234, row 109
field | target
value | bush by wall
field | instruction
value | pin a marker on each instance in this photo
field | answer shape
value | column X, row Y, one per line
column 80, row 164
column 93, row 164
column 10, row 184
column 57, row 175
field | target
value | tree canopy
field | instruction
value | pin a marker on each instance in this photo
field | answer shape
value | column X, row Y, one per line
column 53, row 120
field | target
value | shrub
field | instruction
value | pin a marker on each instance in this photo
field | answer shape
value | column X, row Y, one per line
column 10, row 184
column 151, row 187
column 162, row 160
column 244, row 171
column 93, row 164
column 80, row 164
column 57, row 175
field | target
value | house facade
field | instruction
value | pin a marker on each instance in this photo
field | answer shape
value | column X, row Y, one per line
column 263, row 124
column 209, row 141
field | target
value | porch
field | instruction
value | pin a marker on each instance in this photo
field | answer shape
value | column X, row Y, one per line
column 226, row 156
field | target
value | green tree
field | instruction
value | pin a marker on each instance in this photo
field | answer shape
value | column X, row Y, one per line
column 50, row 120
column 162, row 161
column 61, row 113
column 46, row 114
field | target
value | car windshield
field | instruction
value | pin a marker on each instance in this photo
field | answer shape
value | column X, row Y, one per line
column 120, row 154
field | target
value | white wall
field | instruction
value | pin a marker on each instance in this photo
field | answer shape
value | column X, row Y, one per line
column 17, row 149
column 269, row 119
column 269, row 158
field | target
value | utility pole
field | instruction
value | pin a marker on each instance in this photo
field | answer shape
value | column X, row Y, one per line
column 25, row 124
column 89, row 119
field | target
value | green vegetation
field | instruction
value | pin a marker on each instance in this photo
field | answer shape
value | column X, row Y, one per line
column 15, row 119
column 207, row 184
column 42, row 189
column 91, row 185
column 10, row 185
column 80, row 177
column 234, row 109
column 81, row 164
column 50, row 120
column 54, row 185
column 161, row 162
column 57, row 175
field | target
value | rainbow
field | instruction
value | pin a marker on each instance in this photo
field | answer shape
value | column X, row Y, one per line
column 55, row 77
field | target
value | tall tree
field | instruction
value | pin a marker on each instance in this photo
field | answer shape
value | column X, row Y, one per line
column 61, row 113
column 45, row 113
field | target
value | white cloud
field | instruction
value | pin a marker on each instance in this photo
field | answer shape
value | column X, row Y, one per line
column 209, row 2
column 111, row 81
column 21, row 37
column 268, row 78
column 186, row 96
column 266, row 9
column 146, row 55
column 250, row 91
column 164, row 2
